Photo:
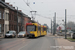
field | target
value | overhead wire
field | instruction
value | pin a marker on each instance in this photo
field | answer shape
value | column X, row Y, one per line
column 27, row 4
column 43, row 16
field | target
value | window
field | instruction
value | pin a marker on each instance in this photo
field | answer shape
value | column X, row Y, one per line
column 5, row 27
column 45, row 29
column 10, row 16
column 3, row 15
column 0, row 14
column 39, row 28
column 31, row 28
column 0, row 28
column 19, row 19
column 42, row 29
column 9, row 26
column 15, row 18
column 6, row 18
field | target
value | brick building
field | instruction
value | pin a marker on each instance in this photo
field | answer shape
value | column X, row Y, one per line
column 1, row 18
column 26, row 20
column 8, row 18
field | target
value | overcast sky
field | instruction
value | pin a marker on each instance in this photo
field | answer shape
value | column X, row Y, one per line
column 47, row 8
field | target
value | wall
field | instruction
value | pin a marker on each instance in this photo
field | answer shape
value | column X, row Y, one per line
column 26, row 20
column 2, row 20
column 6, row 20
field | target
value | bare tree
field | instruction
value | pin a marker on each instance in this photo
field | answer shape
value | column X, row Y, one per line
column 71, row 25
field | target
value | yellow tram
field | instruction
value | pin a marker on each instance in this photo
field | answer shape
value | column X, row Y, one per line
column 35, row 30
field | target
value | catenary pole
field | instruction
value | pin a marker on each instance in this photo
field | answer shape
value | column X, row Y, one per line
column 17, row 21
column 54, row 32
column 65, row 24
column 51, row 26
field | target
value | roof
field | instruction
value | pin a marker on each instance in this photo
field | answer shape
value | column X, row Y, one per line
column 10, row 7
column 33, row 21
column 26, row 15
column 7, row 5
column 2, row 5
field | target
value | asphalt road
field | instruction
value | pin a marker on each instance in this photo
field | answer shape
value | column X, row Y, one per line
column 40, row 43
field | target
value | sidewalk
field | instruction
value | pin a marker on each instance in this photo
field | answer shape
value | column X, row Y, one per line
column 1, row 37
column 64, row 44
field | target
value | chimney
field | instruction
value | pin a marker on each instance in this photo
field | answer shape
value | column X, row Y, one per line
column 14, row 7
column 7, row 3
column 20, row 10
column 11, row 5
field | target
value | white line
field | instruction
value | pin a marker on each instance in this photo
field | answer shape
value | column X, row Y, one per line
column 57, row 44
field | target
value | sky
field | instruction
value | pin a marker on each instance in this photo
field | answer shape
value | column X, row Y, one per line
column 47, row 8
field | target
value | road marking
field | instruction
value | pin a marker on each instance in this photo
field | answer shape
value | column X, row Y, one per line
column 56, row 44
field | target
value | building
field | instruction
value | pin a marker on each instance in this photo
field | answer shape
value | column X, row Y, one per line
column 2, row 7
column 9, row 20
column 27, row 19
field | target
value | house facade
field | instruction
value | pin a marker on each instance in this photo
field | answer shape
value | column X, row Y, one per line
column 1, row 18
column 9, row 18
column 26, row 20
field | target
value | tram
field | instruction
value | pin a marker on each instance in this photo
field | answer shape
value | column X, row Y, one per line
column 35, row 30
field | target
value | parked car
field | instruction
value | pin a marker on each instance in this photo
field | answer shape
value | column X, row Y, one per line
column 22, row 34
column 69, row 32
column 10, row 34
column 73, row 35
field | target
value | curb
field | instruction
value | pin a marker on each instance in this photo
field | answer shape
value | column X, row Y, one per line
column 70, row 40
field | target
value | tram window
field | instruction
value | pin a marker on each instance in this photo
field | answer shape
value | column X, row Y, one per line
column 45, row 29
column 39, row 28
column 31, row 28
column 42, row 29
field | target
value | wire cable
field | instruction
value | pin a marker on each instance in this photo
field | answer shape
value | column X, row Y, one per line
column 43, row 16
column 27, row 4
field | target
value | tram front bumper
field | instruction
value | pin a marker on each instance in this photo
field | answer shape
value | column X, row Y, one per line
column 30, row 35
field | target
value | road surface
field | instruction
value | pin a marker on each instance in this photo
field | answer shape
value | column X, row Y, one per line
column 40, row 43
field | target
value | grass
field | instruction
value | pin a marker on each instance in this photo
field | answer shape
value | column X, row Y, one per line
column 70, row 39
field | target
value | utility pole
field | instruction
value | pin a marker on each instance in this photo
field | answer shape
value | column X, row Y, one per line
column 51, row 26
column 33, row 14
column 54, row 24
column 17, row 21
column 65, row 23
column 21, row 23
